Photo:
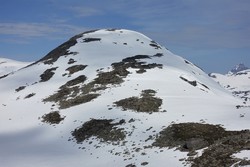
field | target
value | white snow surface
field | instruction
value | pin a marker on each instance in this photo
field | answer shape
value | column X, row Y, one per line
column 9, row 66
column 25, row 141
column 245, row 154
column 238, row 83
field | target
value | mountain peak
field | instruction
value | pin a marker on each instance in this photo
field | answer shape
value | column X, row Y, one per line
column 238, row 68
column 115, row 97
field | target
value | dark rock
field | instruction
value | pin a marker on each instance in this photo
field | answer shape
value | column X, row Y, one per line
column 76, row 68
column 134, row 58
column 47, row 74
column 77, row 80
column 29, row 95
column 147, row 103
column 77, row 100
column 91, row 39
column 61, row 50
column 194, row 83
column 71, row 61
column 155, row 45
column 3, row 76
column 101, row 128
column 20, row 88
column 52, row 118
column 221, row 144
column 144, row 163
column 130, row 165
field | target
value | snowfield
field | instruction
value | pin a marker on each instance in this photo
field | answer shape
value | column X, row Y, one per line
column 8, row 66
column 84, row 79
column 237, row 83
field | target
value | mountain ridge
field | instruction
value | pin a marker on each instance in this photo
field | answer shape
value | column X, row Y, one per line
column 8, row 66
column 239, row 67
column 237, row 82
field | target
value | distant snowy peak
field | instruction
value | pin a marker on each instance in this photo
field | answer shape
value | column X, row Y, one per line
column 237, row 81
column 8, row 65
column 238, row 68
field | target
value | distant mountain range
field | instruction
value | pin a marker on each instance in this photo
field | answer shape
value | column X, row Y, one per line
column 237, row 81
column 238, row 68
column 116, row 98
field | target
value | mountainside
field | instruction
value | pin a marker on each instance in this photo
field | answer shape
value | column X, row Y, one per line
column 114, row 97
column 237, row 83
column 8, row 66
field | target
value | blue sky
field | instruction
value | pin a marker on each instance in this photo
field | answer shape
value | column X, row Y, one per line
column 213, row 34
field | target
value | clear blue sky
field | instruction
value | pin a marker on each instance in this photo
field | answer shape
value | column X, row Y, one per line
column 214, row 34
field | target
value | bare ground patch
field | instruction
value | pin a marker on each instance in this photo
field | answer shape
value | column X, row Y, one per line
column 103, row 129
column 47, row 74
column 70, row 94
column 52, row 118
column 219, row 143
column 76, row 68
column 146, row 103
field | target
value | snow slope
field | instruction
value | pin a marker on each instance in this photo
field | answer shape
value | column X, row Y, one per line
column 238, row 84
column 117, row 64
column 8, row 66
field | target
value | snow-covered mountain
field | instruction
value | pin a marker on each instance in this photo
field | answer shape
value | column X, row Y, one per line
column 237, row 81
column 114, row 97
column 8, row 66
column 238, row 68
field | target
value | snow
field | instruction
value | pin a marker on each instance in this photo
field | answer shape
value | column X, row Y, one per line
column 236, row 82
column 245, row 154
column 8, row 65
column 25, row 140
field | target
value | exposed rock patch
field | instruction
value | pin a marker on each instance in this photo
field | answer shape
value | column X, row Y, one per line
column 47, row 74
column 77, row 80
column 91, row 39
column 130, row 165
column 219, row 143
column 103, row 129
column 61, row 50
column 76, row 68
column 244, row 95
column 20, row 88
column 155, row 45
column 52, row 118
column 29, row 95
column 62, row 94
column 77, row 100
column 194, row 83
column 146, row 103
column 3, row 76
column 71, row 61
column 111, row 77
column 70, row 95
column 136, row 63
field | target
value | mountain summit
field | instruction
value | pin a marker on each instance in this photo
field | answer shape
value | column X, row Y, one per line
column 238, row 68
column 236, row 81
column 115, row 97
